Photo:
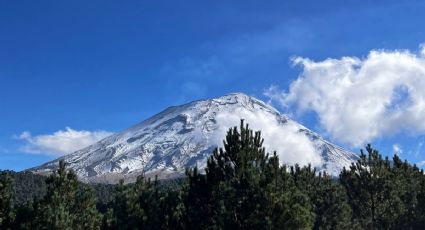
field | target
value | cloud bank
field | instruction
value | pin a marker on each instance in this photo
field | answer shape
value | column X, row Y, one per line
column 61, row 142
column 291, row 145
column 360, row 99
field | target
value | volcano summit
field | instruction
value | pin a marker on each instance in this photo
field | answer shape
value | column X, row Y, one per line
column 185, row 136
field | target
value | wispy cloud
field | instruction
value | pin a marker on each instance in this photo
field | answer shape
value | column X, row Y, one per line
column 360, row 99
column 61, row 142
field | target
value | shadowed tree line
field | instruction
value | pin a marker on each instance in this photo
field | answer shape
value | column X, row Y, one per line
column 243, row 187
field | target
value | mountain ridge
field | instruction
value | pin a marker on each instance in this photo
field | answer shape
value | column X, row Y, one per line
column 184, row 136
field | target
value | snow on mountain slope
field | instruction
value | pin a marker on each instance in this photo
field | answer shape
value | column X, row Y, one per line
column 185, row 136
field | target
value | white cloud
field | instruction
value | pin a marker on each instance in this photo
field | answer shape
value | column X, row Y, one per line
column 397, row 149
column 360, row 99
column 291, row 145
column 61, row 142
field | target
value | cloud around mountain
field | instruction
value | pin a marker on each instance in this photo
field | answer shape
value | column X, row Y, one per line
column 61, row 142
column 291, row 145
column 360, row 99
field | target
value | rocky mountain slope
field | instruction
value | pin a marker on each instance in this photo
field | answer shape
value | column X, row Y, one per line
column 184, row 136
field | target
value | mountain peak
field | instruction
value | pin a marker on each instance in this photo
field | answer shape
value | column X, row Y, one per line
column 240, row 98
column 237, row 95
column 185, row 136
column 244, row 100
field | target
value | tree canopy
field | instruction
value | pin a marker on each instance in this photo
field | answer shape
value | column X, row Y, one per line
column 243, row 187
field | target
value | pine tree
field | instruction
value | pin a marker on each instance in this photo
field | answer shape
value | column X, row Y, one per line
column 372, row 194
column 148, row 200
column 408, row 182
column 198, row 201
column 172, row 207
column 25, row 216
column 7, row 214
column 244, row 188
column 56, row 209
column 418, row 213
column 289, row 207
column 331, row 205
column 63, row 208
column 87, row 217
column 123, row 212
column 142, row 204
column 235, row 173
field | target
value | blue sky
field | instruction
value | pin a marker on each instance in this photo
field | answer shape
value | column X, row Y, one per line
column 102, row 66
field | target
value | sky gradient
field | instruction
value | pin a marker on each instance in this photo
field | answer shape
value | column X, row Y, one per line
column 88, row 68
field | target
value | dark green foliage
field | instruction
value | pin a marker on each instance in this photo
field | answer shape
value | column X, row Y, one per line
column 331, row 205
column 146, row 205
column 384, row 194
column 105, row 193
column 7, row 214
column 365, row 183
column 28, row 187
column 87, row 216
column 25, row 216
column 55, row 211
column 328, row 198
column 63, row 207
column 243, row 188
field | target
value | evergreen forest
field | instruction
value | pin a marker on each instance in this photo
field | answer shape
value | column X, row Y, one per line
column 243, row 187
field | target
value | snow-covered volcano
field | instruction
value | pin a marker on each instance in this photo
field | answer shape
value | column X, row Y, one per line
column 185, row 136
